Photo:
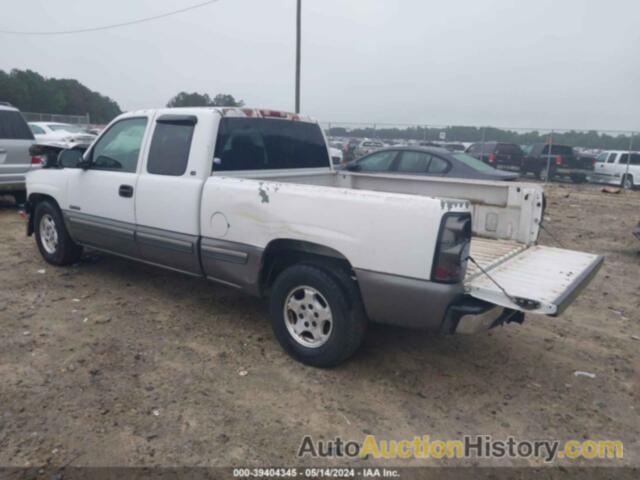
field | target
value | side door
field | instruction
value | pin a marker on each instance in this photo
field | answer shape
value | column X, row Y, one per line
column 169, row 192
column 608, row 169
column 412, row 162
column 101, row 208
column 598, row 167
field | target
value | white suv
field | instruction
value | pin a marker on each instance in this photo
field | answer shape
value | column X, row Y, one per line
column 617, row 167
column 15, row 161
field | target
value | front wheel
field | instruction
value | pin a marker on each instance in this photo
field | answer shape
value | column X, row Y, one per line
column 54, row 242
column 627, row 182
column 317, row 315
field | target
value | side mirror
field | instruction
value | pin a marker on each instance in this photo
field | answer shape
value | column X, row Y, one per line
column 72, row 158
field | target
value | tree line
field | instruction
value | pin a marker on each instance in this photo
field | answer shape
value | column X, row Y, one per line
column 589, row 139
column 31, row 92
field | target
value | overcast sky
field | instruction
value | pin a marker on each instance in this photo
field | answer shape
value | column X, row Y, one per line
column 529, row 63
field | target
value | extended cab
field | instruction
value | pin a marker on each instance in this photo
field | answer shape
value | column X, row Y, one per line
column 248, row 198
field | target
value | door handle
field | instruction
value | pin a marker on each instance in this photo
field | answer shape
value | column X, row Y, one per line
column 125, row 191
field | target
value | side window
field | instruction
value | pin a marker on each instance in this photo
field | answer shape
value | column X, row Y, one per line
column 413, row 162
column 269, row 144
column 475, row 148
column 635, row 159
column 438, row 165
column 602, row 158
column 612, row 158
column 377, row 162
column 119, row 147
column 13, row 126
column 170, row 146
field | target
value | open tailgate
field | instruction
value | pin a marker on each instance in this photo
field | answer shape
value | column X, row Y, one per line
column 538, row 279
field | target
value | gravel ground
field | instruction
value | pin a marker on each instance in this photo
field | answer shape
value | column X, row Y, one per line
column 116, row 363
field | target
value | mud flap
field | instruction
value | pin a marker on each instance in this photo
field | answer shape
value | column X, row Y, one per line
column 543, row 280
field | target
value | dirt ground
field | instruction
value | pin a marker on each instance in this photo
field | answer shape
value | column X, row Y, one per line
column 116, row 363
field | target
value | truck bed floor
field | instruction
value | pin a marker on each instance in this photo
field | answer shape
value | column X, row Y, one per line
column 489, row 252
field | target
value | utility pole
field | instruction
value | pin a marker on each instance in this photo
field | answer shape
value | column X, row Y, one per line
column 298, row 38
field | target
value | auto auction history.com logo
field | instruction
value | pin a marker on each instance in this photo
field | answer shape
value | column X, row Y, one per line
column 470, row 446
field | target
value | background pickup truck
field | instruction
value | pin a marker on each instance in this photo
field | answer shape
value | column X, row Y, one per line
column 559, row 161
column 248, row 198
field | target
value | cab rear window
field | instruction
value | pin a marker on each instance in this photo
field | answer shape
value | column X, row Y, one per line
column 269, row 144
column 13, row 126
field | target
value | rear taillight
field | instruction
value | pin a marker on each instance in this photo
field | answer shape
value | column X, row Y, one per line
column 452, row 250
column 36, row 160
column 492, row 157
column 558, row 160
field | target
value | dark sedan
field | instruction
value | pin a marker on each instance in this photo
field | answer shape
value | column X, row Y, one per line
column 432, row 161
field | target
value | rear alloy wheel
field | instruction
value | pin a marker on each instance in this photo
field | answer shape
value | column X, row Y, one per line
column 317, row 315
column 627, row 182
column 308, row 317
column 54, row 242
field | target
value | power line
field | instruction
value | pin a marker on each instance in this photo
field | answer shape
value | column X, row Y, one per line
column 115, row 25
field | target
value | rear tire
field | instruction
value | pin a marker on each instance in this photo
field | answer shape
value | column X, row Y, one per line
column 20, row 197
column 317, row 315
column 52, row 238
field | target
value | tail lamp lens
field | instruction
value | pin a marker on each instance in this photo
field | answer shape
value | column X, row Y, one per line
column 452, row 249
column 558, row 160
column 492, row 157
column 36, row 160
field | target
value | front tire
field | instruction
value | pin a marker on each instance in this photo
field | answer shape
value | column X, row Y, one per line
column 52, row 238
column 627, row 182
column 317, row 315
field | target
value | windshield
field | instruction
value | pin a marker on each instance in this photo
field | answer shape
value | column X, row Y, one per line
column 56, row 127
column 474, row 163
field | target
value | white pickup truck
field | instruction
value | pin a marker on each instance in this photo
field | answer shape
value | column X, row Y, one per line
column 249, row 199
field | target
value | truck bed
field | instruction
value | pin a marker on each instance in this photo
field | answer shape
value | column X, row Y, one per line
column 489, row 253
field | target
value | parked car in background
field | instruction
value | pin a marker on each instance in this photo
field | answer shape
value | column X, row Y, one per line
column 15, row 159
column 558, row 161
column 65, row 133
column 367, row 146
column 429, row 161
column 504, row 156
column 336, row 155
column 611, row 168
column 454, row 147
column 349, row 149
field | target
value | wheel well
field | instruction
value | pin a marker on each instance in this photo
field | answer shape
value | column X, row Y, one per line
column 283, row 253
column 33, row 200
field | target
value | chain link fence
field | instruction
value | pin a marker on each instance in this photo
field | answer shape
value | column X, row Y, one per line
column 486, row 142
column 82, row 120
